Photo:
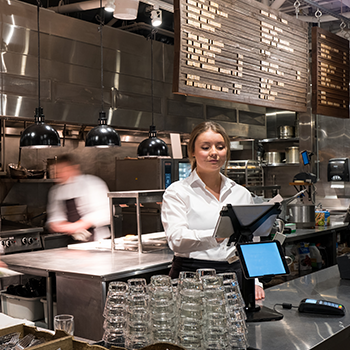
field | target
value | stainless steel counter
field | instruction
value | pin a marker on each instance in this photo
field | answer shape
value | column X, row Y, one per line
column 103, row 265
column 312, row 232
column 305, row 331
column 81, row 279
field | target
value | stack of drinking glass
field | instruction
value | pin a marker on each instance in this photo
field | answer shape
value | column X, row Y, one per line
column 115, row 314
column 201, row 311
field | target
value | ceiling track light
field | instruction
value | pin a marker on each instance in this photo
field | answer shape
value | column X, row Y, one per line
column 102, row 135
column 39, row 134
column 110, row 6
column 156, row 16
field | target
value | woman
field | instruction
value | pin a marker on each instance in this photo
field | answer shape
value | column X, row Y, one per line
column 191, row 207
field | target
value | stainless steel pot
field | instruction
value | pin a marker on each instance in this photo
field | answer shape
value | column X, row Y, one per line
column 286, row 131
column 303, row 215
column 272, row 158
column 17, row 171
column 292, row 155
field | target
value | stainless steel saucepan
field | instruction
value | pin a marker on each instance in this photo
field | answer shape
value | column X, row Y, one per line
column 272, row 158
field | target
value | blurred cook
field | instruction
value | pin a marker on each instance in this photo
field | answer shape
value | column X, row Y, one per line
column 78, row 204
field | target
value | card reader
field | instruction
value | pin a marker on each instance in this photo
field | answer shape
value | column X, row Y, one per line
column 321, row 307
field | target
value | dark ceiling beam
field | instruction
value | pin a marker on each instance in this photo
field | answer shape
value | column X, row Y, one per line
column 325, row 10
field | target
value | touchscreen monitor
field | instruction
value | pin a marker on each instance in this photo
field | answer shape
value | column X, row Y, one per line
column 262, row 259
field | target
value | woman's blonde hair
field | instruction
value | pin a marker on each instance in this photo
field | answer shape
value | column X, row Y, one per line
column 200, row 129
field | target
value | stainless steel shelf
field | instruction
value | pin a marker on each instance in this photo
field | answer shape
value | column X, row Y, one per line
column 279, row 165
column 291, row 139
column 133, row 198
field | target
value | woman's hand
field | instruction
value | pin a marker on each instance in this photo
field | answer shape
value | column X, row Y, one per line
column 259, row 293
column 220, row 240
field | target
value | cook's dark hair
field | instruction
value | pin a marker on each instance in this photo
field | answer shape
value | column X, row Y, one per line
column 200, row 129
column 67, row 158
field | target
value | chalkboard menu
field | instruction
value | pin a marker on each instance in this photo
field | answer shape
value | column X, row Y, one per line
column 330, row 74
column 240, row 51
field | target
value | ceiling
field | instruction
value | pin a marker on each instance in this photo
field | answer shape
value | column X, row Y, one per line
column 333, row 13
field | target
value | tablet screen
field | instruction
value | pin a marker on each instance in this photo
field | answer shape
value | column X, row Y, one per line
column 260, row 259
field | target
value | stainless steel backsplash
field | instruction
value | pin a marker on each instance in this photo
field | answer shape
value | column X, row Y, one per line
column 71, row 77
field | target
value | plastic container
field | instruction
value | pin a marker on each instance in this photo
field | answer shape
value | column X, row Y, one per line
column 304, row 256
column 20, row 307
column 315, row 256
column 44, row 302
column 322, row 218
column 293, row 227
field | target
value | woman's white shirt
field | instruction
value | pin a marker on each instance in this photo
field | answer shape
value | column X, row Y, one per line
column 190, row 213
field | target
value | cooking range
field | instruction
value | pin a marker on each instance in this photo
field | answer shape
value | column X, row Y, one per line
column 15, row 234
column 16, row 237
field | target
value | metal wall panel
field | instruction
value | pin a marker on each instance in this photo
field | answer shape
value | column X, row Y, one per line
column 333, row 141
column 71, row 77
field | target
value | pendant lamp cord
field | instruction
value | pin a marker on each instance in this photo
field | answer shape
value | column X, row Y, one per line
column 101, row 47
column 153, row 37
column 38, row 11
column 152, row 33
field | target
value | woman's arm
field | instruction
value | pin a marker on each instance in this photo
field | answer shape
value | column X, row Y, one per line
column 181, row 238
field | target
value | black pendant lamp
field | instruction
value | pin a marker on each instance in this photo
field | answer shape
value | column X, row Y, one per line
column 153, row 146
column 39, row 134
column 102, row 135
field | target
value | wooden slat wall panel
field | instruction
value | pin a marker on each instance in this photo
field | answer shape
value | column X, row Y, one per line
column 330, row 74
column 240, row 51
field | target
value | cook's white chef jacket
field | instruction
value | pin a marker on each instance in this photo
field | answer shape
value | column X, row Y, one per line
column 90, row 194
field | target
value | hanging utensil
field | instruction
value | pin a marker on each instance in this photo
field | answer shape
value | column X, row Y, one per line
column 19, row 157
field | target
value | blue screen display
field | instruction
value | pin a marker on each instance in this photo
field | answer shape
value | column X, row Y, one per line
column 167, row 174
column 263, row 259
column 311, row 301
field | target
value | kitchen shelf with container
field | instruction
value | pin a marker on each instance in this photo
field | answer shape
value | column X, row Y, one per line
column 274, row 156
column 249, row 173
column 245, row 172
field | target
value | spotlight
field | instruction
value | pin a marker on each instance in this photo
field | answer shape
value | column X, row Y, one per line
column 156, row 17
column 110, row 6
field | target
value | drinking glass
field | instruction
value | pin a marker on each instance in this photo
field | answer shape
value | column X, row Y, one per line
column 211, row 281
column 162, row 308
column 116, row 324
column 113, row 338
column 115, row 311
column 235, row 308
column 231, row 285
column 206, row 272
column 115, row 314
column 215, row 314
column 174, row 285
column 138, row 325
column 161, row 281
column 64, row 323
column 190, row 311
column 189, row 280
column 238, row 342
column 118, row 287
column 137, row 285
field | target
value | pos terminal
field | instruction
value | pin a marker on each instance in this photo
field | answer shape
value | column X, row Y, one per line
column 258, row 259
